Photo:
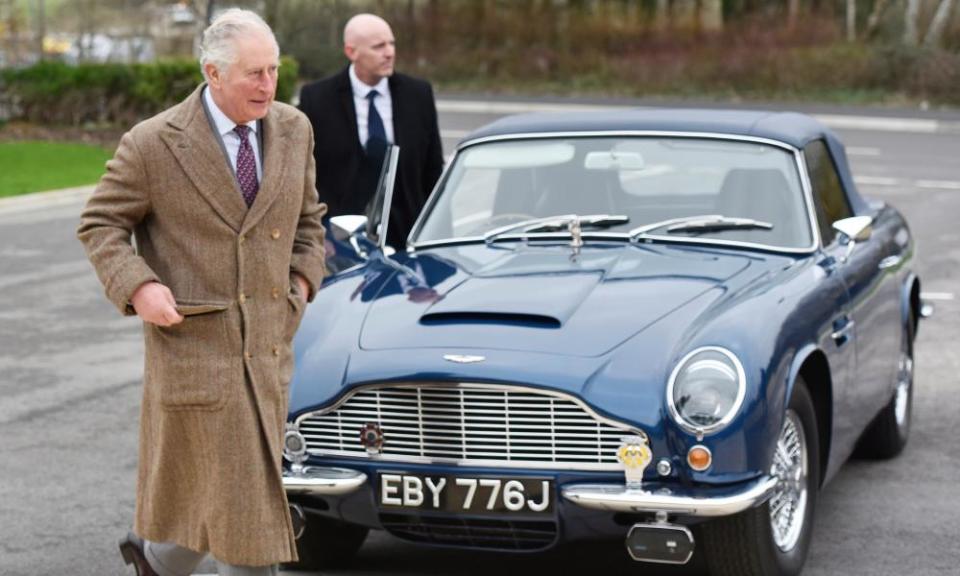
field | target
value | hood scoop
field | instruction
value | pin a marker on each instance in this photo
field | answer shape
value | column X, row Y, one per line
column 500, row 318
column 545, row 300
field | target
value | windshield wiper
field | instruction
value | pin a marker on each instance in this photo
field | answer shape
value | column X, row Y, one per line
column 557, row 224
column 702, row 223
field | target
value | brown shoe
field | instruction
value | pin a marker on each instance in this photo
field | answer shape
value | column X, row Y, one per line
column 131, row 548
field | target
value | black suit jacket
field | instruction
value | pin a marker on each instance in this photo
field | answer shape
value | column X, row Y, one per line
column 345, row 178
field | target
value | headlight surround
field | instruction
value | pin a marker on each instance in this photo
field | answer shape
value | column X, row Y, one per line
column 706, row 390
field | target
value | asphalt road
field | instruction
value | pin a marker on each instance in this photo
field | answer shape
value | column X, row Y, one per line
column 70, row 371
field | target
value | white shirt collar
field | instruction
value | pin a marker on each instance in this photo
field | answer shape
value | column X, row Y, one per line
column 361, row 90
column 224, row 124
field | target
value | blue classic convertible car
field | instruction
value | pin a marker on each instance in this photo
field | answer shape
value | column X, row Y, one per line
column 668, row 327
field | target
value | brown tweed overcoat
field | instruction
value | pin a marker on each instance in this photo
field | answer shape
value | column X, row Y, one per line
column 215, row 385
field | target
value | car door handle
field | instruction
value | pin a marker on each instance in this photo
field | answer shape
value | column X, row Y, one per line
column 890, row 262
column 842, row 328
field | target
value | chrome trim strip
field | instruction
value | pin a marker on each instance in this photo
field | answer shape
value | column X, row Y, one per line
column 737, row 404
column 567, row 427
column 618, row 498
column 322, row 481
column 607, row 133
column 798, row 159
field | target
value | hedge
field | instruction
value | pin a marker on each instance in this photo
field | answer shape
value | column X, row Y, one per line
column 58, row 93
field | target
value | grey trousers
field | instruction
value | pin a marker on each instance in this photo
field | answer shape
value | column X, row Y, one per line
column 172, row 560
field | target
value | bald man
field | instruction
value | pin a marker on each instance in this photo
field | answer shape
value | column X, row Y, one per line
column 357, row 112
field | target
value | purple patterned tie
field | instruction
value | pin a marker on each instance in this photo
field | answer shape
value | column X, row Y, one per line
column 246, row 166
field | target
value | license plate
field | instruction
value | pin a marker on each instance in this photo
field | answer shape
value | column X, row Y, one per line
column 465, row 495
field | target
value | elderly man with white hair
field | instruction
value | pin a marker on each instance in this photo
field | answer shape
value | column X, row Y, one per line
column 358, row 111
column 218, row 193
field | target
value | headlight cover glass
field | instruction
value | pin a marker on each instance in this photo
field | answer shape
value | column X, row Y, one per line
column 706, row 390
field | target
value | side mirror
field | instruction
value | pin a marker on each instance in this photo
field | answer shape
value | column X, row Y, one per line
column 852, row 230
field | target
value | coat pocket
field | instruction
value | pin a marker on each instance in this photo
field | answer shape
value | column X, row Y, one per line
column 186, row 309
column 194, row 362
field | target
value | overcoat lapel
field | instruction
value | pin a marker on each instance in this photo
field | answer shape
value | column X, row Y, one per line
column 276, row 148
column 345, row 96
column 398, row 102
column 192, row 142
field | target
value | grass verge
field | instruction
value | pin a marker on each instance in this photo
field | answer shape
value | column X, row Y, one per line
column 38, row 166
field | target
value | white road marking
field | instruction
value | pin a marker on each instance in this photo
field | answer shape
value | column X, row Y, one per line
column 454, row 134
column 936, row 295
column 916, row 125
column 862, row 151
column 876, row 181
column 938, row 184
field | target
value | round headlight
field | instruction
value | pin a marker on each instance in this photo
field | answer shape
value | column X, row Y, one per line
column 706, row 390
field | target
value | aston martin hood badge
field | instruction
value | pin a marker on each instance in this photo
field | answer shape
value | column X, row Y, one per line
column 463, row 358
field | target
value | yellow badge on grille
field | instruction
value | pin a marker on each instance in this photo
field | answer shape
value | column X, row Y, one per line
column 635, row 456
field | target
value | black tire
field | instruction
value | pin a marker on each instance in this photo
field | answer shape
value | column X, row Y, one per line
column 745, row 544
column 327, row 543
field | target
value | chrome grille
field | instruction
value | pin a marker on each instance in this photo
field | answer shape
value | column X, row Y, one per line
column 469, row 424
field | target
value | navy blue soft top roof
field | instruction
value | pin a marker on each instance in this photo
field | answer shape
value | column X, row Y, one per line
column 788, row 127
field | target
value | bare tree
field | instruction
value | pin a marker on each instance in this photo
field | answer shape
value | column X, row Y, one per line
column 873, row 21
column 851, row 20
column 934, row 35
column 41, row 27
column 711, row 15
column 910, row 35
column 793, row 12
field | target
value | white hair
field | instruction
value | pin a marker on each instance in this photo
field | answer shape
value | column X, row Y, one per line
column 218, row 46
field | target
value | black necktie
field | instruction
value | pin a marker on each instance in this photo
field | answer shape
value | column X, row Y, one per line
column 376, row 135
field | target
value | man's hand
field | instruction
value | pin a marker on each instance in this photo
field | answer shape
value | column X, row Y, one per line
column 155, row 304
column 302, row 285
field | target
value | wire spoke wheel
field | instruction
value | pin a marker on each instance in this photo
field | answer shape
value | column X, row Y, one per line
column 788, row 505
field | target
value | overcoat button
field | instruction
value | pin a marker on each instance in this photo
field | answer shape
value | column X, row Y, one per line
column 276, row 350
column 243, row 239
column 248, row 355
column 275, row 234
column 242, row 298
column 275, row 293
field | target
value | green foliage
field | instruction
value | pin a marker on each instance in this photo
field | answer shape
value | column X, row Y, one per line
column 27, row 166
column 57, row 93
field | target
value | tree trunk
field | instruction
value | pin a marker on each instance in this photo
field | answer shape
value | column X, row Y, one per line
column 662, row 18
column 851, row 20
column 711, row 15
column 873, row 22
column 910, row 36
column 938, row 24
column 793, row 13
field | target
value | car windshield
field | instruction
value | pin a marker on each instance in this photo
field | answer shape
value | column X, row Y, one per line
column 723, row 190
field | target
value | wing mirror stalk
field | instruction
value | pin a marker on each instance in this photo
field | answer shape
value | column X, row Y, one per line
column 853, row 230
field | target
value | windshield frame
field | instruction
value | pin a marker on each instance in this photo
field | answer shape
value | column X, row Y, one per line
column 797, row 154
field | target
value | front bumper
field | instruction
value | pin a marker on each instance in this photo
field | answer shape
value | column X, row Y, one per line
column 719, row 501
column 322, row 480
column 703, row 503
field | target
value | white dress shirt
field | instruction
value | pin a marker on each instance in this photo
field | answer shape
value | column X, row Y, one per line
column 231, row 141
column 383, row 102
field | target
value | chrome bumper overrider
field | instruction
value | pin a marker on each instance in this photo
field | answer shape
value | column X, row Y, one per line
column 617, row 498
column 322, row 480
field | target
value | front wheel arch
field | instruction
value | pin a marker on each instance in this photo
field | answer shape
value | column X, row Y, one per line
column 748, row 544
column 812, row 367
